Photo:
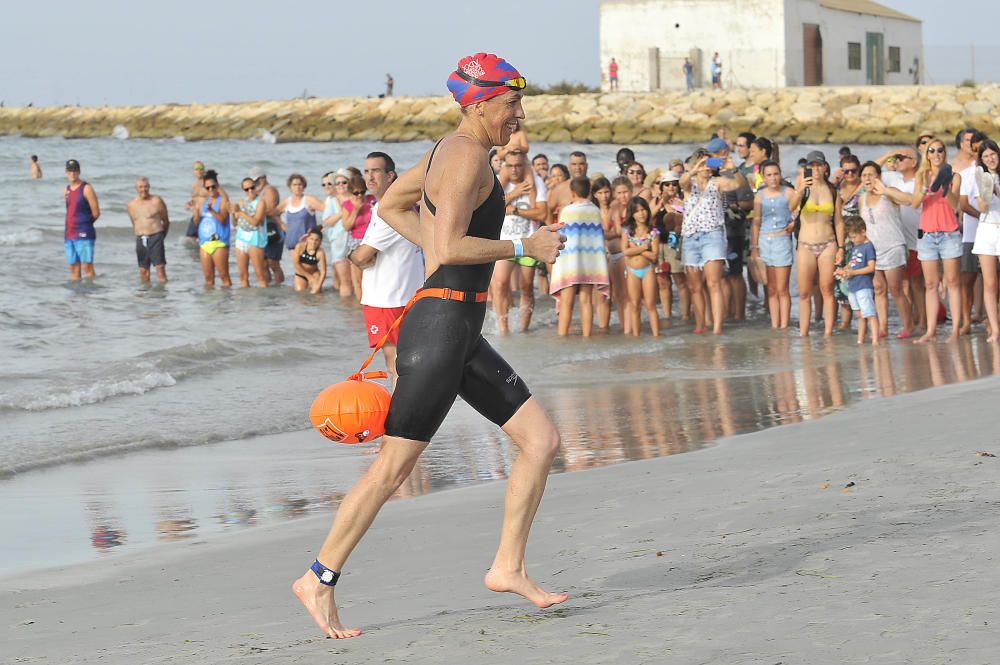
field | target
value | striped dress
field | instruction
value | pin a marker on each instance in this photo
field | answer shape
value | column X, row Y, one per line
column 584, row 259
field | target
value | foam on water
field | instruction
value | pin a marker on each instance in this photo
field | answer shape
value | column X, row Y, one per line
column 91, row 394
column 26, row 237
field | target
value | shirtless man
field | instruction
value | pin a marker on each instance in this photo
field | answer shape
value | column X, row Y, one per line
column 36, row 169
column 522, row 216
column 150, row 224
column 197, row 191
column 441, row 352
column 270, row 197
column 561, row 195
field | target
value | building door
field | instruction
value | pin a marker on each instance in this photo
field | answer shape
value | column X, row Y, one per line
column 875, row 59
column 812, row 48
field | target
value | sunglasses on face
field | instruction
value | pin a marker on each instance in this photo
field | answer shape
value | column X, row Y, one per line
column 342, row 183
column 358, row 193
column 516, row 84
column 935, row 151
column 850, row 171
column 248, row 189
column 924, row 141
column 211, row 188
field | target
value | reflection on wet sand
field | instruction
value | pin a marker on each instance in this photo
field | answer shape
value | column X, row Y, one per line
column 635, row 408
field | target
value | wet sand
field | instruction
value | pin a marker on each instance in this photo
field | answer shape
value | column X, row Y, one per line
column 758, row 550
column 613, row 402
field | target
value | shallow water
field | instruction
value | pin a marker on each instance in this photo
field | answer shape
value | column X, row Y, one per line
column 93, row 371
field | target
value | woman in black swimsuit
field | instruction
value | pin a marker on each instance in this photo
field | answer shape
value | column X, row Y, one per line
column 441, row 351
column 309, row 261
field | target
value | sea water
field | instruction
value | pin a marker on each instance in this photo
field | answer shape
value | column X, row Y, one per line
column 201, row 383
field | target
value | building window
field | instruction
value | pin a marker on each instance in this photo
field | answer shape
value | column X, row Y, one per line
column 854, row 55
column 895, row 65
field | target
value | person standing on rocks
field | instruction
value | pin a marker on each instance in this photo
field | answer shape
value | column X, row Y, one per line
column 150, row 223
column 688, row 74
column 82, row 211
column 717, row 71
column 612, row 77
column 389, row 82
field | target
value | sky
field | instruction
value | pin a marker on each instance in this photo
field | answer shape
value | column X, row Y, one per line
column 121, row 53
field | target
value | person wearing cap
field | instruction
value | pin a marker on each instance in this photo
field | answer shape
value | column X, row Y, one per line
column 441, row 351
column 270, row 198
column 332, row 222
column 704, row 231
column 82, row 211
column 821, row 240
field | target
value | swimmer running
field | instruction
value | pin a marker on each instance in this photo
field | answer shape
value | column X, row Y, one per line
column 441, row 351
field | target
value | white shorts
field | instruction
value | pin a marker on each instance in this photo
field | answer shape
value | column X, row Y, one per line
column 894, row 257
column 987, row 240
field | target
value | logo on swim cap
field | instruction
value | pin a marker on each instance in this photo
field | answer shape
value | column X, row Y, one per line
column 474, row 69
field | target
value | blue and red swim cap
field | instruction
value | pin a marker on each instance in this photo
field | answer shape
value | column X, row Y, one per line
column 466, row 83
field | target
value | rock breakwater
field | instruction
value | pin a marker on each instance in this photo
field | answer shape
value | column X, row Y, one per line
column 801, row 115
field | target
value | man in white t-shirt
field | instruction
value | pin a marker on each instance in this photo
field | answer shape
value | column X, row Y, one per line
column 392, row 266
column 904, row 179
column 969, row 142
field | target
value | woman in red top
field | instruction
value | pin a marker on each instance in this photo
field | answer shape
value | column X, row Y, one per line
column 357, row 216
column 936, row 193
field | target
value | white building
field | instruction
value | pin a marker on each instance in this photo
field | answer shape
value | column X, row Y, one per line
column 762, row 43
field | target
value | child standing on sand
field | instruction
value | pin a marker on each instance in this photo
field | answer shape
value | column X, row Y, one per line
column 641, row 246
column 859, row 272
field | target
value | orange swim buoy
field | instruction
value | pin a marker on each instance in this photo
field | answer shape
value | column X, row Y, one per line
column 352, row 411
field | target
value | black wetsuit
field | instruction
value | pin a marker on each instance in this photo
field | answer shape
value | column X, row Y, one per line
column 441, row 351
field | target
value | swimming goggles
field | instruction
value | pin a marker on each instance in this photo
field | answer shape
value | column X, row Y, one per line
column 518, row 83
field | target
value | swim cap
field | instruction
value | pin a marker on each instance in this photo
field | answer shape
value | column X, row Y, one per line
column 481, row 77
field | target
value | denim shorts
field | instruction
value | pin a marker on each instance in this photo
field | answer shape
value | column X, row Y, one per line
column 702, row 247
column 862, row 300
column 776, row 251
column 940, row 245
column 79, row 251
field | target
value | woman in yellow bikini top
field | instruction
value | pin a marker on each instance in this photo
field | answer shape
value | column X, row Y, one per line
column 821, row 245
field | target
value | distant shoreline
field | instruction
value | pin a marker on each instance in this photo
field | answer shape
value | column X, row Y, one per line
column 848, row 115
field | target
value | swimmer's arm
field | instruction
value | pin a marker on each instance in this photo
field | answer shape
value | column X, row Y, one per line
column 455, row 205
column 91, row 196
column 295, row 257
column 364, row 256
column 131, row 217
column 397, row 205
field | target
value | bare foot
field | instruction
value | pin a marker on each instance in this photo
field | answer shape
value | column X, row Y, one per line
column 952, row 338
column 519, row 583
column 991, row 339
column 924, row 339
column 318, row 599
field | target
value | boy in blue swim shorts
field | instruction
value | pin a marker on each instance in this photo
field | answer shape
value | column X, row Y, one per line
column 859, row 273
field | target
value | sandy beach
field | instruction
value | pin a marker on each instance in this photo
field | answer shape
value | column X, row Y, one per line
column 751, row 551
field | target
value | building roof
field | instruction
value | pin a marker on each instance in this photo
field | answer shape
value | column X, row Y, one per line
column 866, row 7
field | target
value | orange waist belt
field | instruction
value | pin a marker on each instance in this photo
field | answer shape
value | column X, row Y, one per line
column 443, row 294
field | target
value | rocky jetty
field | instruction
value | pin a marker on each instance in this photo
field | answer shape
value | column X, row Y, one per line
column 802, row 115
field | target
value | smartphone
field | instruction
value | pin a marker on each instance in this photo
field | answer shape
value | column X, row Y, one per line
column 715, row 162
column 808, row 173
